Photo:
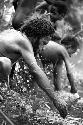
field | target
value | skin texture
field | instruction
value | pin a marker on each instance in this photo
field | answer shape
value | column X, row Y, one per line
column 55, row 53
column 15, row 45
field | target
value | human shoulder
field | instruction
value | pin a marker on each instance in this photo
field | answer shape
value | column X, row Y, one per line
column 11, row 32
column 23, row 42
column 15, row 39
column 15, row 35
column 55, row 44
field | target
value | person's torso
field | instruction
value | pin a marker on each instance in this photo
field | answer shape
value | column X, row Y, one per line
column 51, row 52
column 7, row 45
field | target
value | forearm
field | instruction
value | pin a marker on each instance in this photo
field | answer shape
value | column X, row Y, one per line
column 38, row 73
column 43, row 82
column 71, row 77
column 69, row 70
column 66, row 59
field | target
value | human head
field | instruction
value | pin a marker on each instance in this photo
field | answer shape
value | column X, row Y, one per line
column 37, row 26
column 71, row 44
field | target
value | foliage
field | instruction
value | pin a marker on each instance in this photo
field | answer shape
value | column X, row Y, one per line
column 26, row 103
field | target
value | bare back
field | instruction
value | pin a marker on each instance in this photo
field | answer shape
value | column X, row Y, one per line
column 9, row 44
column 51, row 52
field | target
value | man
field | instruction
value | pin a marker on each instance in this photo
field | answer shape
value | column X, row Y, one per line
column 58, row 9
column 23, row 9
column 56, row 54
column 70, row 11
column 66, row 9
column 15, row 44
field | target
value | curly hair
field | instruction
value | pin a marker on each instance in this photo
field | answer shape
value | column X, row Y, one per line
column 37, row 26
column 71, row 40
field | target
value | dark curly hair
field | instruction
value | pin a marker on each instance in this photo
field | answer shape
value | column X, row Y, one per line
column 37, row 27
column 71, row 40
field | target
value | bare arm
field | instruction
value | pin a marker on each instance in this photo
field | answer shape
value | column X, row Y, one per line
column 69, row 70
column 26, row 50
column 40, row 77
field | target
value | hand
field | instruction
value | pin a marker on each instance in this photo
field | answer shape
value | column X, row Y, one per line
column 61, row 106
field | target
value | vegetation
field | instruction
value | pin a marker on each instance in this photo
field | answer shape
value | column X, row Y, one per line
column 26, row 103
